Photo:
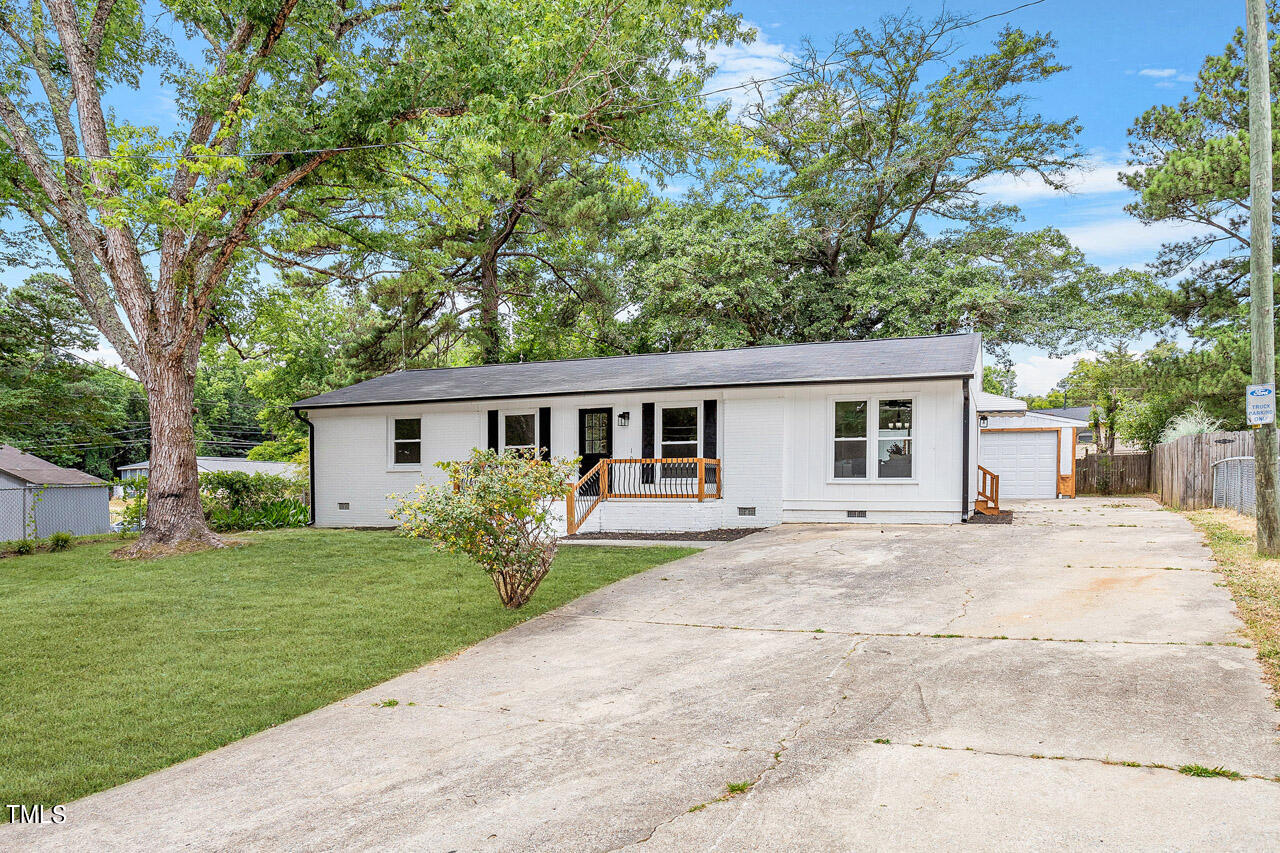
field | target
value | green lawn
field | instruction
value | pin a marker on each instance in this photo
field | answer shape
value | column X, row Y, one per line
column 113, row 669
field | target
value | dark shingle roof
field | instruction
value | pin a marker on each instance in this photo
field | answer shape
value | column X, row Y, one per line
column 41, row 472
column 836, row 361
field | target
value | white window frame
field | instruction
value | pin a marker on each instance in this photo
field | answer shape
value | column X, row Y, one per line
column 503, row 414
column 392, row 465
column 697, row 422
column 873, row 437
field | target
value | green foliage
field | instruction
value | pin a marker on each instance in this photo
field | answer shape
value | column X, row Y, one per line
column 272, row 515
column 238, row 500
column 23, row 547
column 1143, row 422
column 812, row 226
column 999, row 380
column 60, row 541
column 496, row 509
column 134, row 492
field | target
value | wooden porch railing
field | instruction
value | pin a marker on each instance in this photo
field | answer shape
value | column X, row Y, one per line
column 691, row 478
column 988, row 502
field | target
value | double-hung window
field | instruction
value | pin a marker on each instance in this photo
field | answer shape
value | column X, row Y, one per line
column 520, row 431
column 678, row 436
column 893, row 434
column 850, row 439
column 406, row 440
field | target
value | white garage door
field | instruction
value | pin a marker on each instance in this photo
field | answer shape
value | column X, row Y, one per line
column 1027, row 462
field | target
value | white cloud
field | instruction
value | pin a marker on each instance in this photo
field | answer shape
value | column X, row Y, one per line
column 1039, row 373
column 1158, row 72
column 1166, row 78
column 1096, row 176
column 1124, row 236
column 738, row 64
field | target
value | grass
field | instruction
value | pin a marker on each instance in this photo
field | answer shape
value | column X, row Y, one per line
column 1254, row 581
column 114, row 669
column 1209, row 772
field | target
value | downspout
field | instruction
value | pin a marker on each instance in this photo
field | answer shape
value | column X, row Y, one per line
column 964, row 491
column 311, row 462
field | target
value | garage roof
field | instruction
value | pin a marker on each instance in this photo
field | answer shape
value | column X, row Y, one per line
column 41, row 472
column 994, row 404
column 934, row 357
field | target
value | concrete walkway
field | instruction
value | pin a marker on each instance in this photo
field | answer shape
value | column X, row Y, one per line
column 967, row 687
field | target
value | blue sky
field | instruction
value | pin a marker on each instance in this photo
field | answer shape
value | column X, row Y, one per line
column 1124, row 56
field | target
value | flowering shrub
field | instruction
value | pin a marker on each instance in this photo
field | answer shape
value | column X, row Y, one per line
column 495, row 509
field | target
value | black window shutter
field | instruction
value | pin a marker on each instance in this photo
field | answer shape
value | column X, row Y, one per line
column 493, row 430
column 709, row 429
column 646, row 441
column 544, row 432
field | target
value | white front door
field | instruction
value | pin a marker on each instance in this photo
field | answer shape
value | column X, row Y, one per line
column 1027, row 462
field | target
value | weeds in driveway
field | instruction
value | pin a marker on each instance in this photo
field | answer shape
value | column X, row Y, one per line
column 1254, row 581
column 1205, row 772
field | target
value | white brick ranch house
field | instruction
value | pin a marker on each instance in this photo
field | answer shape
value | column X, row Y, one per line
column 880, row 431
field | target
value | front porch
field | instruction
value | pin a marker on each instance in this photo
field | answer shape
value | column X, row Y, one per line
column 679, row 479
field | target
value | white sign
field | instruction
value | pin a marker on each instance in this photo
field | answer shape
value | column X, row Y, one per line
column 1260, row 404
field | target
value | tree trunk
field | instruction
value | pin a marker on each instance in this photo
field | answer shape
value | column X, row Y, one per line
column 174, row 514
column 490, row 324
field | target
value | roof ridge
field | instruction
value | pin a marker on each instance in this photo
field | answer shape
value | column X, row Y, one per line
column 686, row 352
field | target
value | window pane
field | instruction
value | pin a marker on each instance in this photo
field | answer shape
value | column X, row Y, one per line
column 408, row 428
column 895, row 457
column 851, row 459
column 851, row 419
column 679, row 425
column 408, row 452
column 519, row 430
column 895, row 418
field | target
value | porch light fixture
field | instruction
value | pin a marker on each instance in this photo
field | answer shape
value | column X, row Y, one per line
column 982, row 421
column 624, row 418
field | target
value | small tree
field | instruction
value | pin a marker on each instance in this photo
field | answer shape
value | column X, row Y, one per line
column 496, row 510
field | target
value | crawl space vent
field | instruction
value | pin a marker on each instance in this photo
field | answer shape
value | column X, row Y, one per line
column 856, row 513
column 746, row 510
column 344, row 505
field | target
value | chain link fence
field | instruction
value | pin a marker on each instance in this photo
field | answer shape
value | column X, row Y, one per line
column 36, row 512
column 1233, row 484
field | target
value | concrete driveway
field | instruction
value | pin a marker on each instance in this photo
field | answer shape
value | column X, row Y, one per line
column 967, row 687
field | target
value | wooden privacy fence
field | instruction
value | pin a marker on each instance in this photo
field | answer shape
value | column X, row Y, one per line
column 1117, row 474
column 1182, row 470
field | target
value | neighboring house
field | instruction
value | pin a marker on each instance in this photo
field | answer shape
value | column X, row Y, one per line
column 1034, row 452
column 213, row 463
column 876, row 431
column 38, row 498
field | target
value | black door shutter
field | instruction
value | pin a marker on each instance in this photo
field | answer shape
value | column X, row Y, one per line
column 544, row 433
column 709, row 428
column 646, row 441
column 493, row 430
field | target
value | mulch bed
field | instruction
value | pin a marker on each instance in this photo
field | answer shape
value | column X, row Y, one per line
column 725, row 534
column 1004, row 517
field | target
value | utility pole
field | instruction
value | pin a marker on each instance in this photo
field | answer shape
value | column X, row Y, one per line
column 1261, row 268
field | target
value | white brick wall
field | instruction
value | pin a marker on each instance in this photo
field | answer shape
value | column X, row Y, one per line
column 774, row 443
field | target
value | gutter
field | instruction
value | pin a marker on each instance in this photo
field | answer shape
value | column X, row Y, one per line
column 311, row 461
column 964, row 490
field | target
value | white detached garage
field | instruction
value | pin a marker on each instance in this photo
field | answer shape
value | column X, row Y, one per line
column 1033, row 454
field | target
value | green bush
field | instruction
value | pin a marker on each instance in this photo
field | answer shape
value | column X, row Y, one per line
column 240, row 490
column 495, row 509
column 24, row 546
column 134, row 490
column 286, row 512
column 60, row 541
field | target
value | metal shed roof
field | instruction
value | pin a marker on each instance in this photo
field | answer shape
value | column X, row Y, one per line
column 41, row 472
column 940, row 356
